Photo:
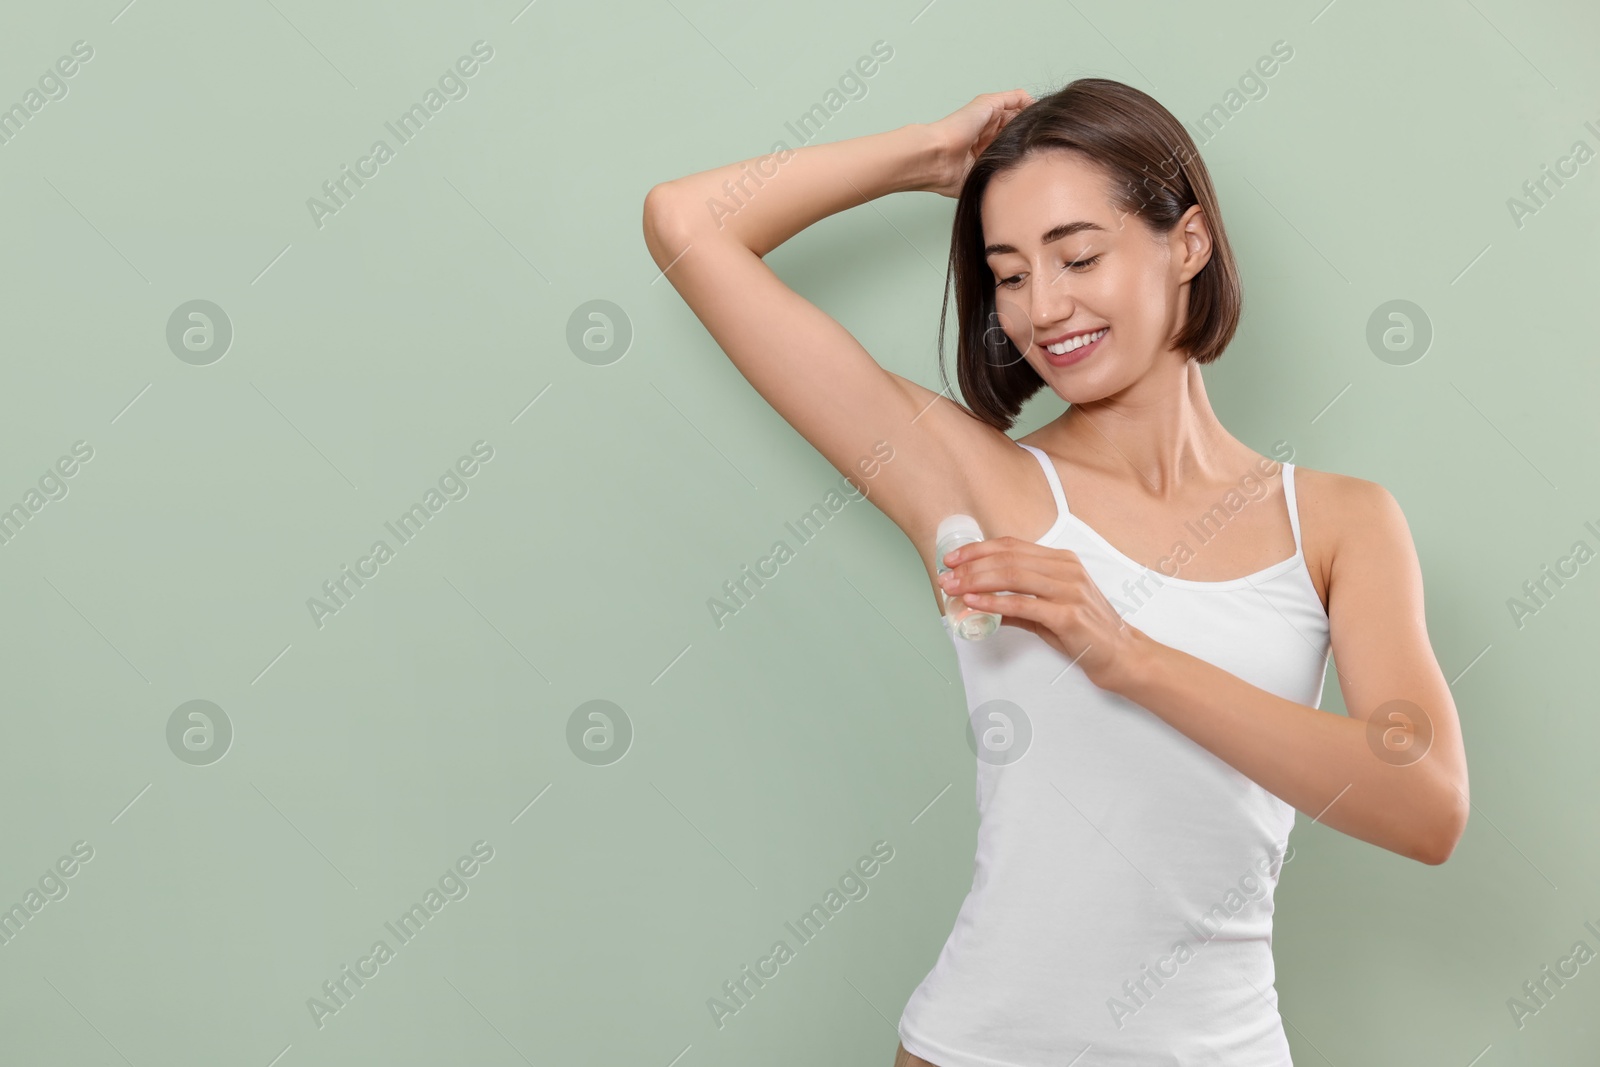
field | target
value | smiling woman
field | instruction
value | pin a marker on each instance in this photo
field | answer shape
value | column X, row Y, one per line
column 1085, row 151
column 1132, row 777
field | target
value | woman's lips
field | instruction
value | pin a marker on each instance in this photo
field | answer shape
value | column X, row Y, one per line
column 1077, row 355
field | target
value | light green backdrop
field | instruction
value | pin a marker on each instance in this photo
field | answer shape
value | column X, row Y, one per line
column 372, row 348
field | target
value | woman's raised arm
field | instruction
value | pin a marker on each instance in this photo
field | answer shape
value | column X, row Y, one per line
column 803, row 362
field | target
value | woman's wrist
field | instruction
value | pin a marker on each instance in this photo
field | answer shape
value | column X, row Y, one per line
column 926, row 162
column 1136, row 667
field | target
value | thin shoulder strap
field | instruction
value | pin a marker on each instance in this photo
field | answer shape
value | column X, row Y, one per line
column 1055, row 479
column 1288, row 495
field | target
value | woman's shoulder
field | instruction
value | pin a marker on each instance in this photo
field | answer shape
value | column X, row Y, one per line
column 1335, row 509
column 1334, row 493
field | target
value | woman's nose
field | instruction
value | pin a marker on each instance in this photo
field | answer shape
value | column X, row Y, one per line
column 1052, row 305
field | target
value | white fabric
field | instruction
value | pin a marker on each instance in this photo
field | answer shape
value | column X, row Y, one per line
column 1115, row 850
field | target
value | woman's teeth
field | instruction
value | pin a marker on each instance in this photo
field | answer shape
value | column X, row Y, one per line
column 1073, row 343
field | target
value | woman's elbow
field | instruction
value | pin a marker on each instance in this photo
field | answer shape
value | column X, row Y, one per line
column 662, row 216
column 662, row 205
column 1446, row 831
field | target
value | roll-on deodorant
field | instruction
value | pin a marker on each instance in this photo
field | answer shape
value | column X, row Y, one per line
column 955, row 531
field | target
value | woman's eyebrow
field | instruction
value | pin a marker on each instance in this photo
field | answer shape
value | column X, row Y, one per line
column 1054, row 233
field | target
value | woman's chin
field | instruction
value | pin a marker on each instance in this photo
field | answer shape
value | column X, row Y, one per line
column 1083, row 385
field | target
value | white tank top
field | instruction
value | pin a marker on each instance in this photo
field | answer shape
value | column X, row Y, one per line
column 1121, row 897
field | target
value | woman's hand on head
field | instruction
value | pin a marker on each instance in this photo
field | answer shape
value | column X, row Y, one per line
column 1053, row 597
column 965, row 133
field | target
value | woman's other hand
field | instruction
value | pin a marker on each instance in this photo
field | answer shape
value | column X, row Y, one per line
column 1053, row 597
column 965, row 133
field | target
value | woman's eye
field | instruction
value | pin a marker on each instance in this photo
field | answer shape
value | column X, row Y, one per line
column 1077, row 264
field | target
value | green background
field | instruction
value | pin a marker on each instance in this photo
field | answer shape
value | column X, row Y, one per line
column 432, row 711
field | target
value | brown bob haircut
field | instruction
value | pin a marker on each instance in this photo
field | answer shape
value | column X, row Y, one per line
column 1154, row 172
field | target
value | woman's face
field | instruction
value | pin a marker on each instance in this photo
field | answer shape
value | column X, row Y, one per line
column 1068, row 263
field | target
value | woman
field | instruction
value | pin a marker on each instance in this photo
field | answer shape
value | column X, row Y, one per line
column 1148, row 709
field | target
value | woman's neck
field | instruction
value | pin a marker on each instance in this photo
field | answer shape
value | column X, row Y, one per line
column 1161, row 431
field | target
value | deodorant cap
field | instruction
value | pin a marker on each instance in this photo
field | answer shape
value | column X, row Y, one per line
column 958, row 523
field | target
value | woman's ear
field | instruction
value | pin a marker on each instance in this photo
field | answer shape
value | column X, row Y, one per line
column 1193, row 238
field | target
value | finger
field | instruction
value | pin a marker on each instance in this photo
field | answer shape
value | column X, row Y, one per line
column 1000, row 574
column 1009, row 567
column 1029, row 608
column 1013, row 98
column 989, row 546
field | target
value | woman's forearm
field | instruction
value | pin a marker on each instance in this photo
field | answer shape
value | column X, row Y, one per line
column 764, row 201
column 1315, row 760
